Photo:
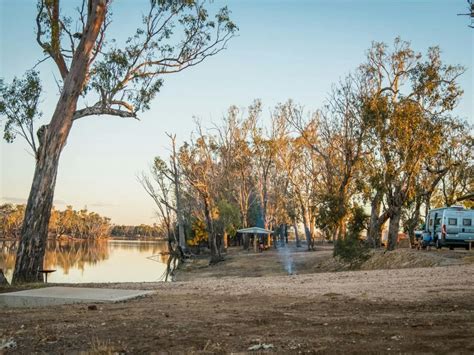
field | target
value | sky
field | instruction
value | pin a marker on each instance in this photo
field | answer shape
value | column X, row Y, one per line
column 284, row 49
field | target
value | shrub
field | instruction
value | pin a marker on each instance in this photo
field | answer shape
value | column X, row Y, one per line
column 352, row 249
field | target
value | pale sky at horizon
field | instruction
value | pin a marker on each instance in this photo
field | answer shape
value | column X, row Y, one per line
column 284, row 49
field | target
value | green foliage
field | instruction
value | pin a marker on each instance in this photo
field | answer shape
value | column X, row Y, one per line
column 229, row 217
column 330, row 211
column 357, row 222
column 352, row 248
column 131, row 74
column 19, row 106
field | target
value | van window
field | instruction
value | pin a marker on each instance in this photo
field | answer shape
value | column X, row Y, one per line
column 467, row 222
column 431, row 221
column 438, row 221
column 452, row 221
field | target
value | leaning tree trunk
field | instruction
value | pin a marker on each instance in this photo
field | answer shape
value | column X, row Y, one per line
column 34, row 231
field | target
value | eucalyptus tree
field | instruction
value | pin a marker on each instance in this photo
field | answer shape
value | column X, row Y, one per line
column 233, row 138
column 263, row 153
column 444, row 176
column 165, row 188
column 301, row 166
column 122, row 80
column 159, row 186
column 278, row 183
column 459, row 177
column 336, row 135
column 270, row 179
column 199, row 162
column 407, row 109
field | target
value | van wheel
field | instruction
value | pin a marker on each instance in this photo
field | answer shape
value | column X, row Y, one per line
column 438, row 244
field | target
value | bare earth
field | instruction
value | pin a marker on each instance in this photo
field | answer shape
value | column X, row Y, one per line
column 399, row 310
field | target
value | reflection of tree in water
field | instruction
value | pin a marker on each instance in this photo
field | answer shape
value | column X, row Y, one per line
column 75, row 254
column 65, row 254
column 166, row 254
column 68, row 254
column 158, row 250
column 152, row 247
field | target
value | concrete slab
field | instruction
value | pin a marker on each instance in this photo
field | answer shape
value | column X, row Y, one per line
column 58, row 295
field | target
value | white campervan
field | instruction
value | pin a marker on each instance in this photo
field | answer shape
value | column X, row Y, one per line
column 450, row 226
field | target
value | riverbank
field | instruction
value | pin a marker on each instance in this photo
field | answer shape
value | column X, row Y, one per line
column 401, row 310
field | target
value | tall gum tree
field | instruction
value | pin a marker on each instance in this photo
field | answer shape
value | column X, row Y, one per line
column 301, row 166
column 236, row 159
column 122, row 80
column 336, row 135
column 198, row 160
column 452, row 163
column 411, row 97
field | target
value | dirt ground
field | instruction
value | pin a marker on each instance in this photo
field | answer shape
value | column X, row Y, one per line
column 299, row 261
column 427, row 310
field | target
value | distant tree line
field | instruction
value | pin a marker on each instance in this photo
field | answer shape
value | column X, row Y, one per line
column 81, row 224
column 143, row 230
column 385, row 144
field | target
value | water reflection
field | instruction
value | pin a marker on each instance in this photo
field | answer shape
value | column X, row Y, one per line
column 97, row 261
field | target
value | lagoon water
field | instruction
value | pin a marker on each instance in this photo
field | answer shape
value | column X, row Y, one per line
column 98, row 261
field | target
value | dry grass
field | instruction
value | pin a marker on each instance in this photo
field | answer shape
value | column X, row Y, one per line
column 101, row 347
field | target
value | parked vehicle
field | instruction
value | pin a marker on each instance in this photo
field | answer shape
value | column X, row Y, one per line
column 450, row 227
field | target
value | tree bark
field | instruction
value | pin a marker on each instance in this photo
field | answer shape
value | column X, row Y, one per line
column 307, row 231
column 413, row 221
column 393, row 228
column 3, row 279
column 245, row 243
column 177, row 191
column 312, row 229
column 295, row 226
column 341, row 228
column 374, row 230
column 226, row 240
column 427, row 203
column 215, row 252
column 34, row 231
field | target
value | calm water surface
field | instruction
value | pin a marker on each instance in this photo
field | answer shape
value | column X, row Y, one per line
column 99, row 261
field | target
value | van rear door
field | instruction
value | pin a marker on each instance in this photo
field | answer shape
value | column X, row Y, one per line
column 467, row 226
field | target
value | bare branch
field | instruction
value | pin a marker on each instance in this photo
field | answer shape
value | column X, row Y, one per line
column 99, row 111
